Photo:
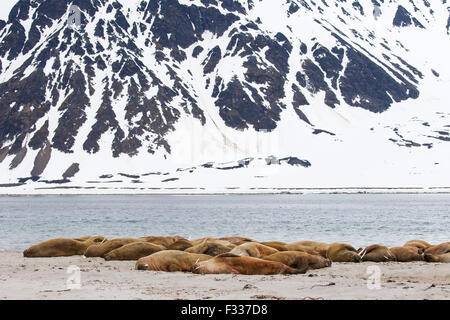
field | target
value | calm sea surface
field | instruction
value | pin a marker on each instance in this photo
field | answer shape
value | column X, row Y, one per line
column 356, row 219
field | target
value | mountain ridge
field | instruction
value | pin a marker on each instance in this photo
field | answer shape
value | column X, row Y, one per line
column 173, row 84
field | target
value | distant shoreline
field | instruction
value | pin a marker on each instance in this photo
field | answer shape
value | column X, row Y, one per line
column 85, row 191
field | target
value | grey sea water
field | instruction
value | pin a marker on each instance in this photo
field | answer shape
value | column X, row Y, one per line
column 359, row 219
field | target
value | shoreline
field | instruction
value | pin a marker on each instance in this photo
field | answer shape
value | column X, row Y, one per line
column 82, row 191
column 45, row 279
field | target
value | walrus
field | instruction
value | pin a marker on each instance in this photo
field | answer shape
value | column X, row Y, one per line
column 419, row 244
column 180, row 245
column 134, row 251
column 228, row 263
column 377, row 253
column 443, row 258
column 407, row 254
column 300, row 260
column 170, row 261
column 440, row 249
column 312, row 244
column 341, row 252
column 310, row 250
column 61, row 247
column 253, row 249
column 211, row 247
column 280, row 246
column 165, row 241
column 237, row 240
column 100, row 250
column 312, row 247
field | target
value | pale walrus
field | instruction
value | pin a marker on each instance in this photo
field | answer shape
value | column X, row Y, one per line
column 237, row 240
column 134, row 251
column 407, row 254
column 341, row 252
column 300, row 260
column 229, row 263
column 170, row 261
column 100, row 250
column 211, row 247
column 377, row 253
column 253, row 249
column 61, row 247
column 419, row 244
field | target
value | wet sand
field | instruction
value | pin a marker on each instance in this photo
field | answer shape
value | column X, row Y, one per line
column 46, row 278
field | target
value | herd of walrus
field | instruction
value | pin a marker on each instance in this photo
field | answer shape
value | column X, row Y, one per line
column 233, row 255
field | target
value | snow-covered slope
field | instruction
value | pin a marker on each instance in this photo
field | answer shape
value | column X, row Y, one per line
column 224, row 96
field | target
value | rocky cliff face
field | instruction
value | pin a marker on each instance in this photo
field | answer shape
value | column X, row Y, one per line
column 135, row 74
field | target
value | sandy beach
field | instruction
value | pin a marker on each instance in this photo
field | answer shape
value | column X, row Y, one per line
column 46, row 278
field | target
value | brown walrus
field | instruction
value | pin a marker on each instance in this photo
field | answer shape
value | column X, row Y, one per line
column 341, row 252
column 170, row 261
column 377, row 253
column 310, row 250
column 407, row 254
column 61, row 247
column 253, row 249
column 443, row 258
column 280, row 246
column 440, row 249
column 230, row 263
column 300, row 260
column 164, row 241
column 211, row 247
column 180, row 245
column 237, row 240
column 134, row 251
column 419, row 244
column 100, row 250
column 311, row 247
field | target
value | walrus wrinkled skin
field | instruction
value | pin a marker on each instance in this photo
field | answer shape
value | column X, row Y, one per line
column 61, row 247
column 419, row 244
column 228, row 263
column 300, row 260
column 211, row 247
column 170, row 261
column 311, row 247
column 439, row 253
column 280, row 246
column 253, row 249
column 342, row 252
column 180, row 245
column 377, row 253
column 100, row 250
column 440, row 249
column 134, row 251
column 237, row 240
column 441, row 258
column 407, row 254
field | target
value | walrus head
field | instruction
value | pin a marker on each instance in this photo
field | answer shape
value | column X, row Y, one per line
column 30, row 252
column 141, row 266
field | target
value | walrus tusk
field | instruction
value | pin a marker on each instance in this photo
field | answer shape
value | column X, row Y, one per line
column 363, row 253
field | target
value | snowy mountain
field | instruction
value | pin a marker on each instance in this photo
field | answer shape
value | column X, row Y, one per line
column 223, row 96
